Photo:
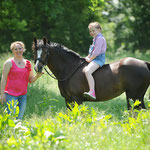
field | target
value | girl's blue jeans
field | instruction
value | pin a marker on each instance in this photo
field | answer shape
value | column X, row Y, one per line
column 21, row 100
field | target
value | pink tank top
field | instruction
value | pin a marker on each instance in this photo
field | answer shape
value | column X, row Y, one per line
column 17, row 80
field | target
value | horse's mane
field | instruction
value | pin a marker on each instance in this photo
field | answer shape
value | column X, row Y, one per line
column 62, row 49
column 59, row 48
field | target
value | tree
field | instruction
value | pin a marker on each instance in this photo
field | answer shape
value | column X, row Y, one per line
column 60, row 21
column 133, row 24
column 11, row 24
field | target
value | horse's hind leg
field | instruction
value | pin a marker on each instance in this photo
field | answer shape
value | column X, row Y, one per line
column 136, row 96
column 142, row 105
column 140, row 96
column 128, row 103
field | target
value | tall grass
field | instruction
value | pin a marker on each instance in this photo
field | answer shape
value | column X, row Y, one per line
column 79, row 129
column 47, row 124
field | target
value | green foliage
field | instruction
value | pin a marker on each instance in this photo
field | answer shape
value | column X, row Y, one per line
column 7, row 120
column 60, row 21
column 132, row 24
column 130, row 20
column 125, row 24
column 97, row 5
column 48, row 125
column 81, row 128
column 12, row 25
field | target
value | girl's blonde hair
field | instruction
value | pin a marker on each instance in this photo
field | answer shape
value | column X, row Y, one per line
column 96, row 25
column 15, row 43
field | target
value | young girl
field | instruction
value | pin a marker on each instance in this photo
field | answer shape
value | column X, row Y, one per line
column 96, row 57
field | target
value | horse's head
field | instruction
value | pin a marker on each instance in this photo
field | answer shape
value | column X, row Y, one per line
column 41, row 53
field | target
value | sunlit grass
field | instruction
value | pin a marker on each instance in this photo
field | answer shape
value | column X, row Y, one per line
column 47, row 124
column 82, row 128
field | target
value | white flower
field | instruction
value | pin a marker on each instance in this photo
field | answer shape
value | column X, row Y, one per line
column 48, row 133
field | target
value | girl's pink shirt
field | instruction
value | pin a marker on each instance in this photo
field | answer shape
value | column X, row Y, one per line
column 17, row 80
column 100, row 45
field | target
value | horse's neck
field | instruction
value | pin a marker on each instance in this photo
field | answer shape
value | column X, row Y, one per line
column 63, row 66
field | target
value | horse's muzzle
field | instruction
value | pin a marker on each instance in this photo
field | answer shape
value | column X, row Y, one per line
column 38, row 68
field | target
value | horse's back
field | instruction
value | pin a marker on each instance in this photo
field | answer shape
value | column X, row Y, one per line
column 134, row 67
column 134, row 74
column 108, row 84
column 130, row 61
column 121, row 76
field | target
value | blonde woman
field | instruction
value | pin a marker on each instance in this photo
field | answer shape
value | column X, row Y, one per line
column 17, row 73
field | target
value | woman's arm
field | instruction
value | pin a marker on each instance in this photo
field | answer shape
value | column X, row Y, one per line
column 6, row 69
column 32, row 77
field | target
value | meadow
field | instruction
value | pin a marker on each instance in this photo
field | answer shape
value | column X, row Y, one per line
column 47, row 124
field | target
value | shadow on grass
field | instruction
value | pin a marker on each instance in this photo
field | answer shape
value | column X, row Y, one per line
column 40, row 100
column 115, row 107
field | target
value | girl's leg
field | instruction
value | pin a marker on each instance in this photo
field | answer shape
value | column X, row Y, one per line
column 92, row 66
column 11, row 103
column 22, row 105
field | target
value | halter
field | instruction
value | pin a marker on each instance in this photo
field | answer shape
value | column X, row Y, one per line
column 40, row 60
column 43, row 62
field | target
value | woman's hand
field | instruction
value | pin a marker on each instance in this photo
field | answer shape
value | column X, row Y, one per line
column 39, row 74
column 33, row 78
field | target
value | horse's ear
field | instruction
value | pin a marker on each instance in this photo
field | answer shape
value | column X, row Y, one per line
column 35, row 40
column 44, row 40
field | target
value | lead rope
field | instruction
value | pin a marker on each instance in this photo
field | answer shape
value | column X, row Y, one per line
column 64, row 78
column 50, row 74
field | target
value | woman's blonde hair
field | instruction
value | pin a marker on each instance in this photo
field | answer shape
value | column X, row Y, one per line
column 15, row 43
column 96, row 25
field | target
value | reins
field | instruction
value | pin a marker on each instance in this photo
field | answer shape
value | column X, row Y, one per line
column 67, row 76
column 49, row 74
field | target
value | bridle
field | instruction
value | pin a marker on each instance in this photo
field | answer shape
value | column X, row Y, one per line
column 45, row 63
column 46, row 59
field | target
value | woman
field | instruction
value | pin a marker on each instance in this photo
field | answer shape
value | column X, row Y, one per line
column 17, row 73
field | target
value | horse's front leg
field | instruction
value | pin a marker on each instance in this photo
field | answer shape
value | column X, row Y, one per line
column 70, row 102
column 128, row 102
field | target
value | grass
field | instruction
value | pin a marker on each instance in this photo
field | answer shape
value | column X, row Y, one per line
column 48, row 124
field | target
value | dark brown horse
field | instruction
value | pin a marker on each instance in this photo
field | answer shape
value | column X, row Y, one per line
column 128, row 75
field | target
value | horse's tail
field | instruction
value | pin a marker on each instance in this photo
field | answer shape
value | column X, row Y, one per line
column 148, row 65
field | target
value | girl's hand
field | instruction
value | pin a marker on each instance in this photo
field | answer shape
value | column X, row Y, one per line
column 87, row 59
